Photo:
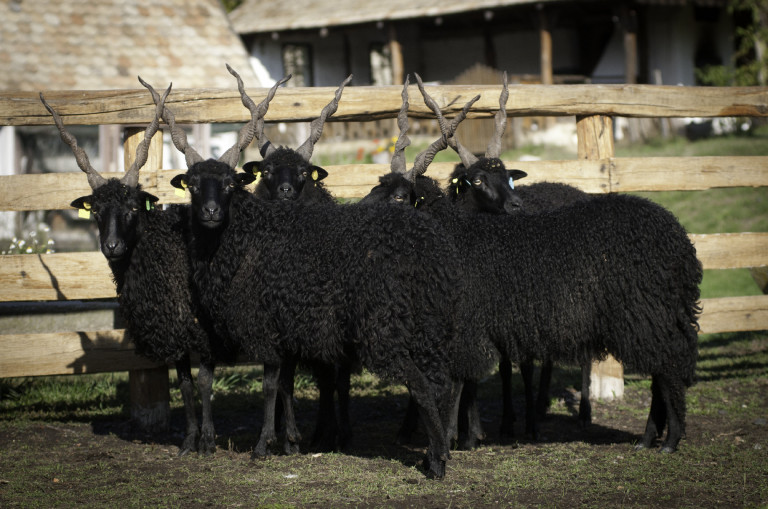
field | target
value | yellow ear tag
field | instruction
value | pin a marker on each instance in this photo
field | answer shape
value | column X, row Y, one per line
column 181, row 193
column 258, row 177
column 314, row 175
column 84, row 213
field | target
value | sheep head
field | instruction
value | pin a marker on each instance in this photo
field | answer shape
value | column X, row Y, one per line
column 411, row 187
column 211, row 185
column 118, row 205
column 284, row 172
column 213, row 182
column 481, row 184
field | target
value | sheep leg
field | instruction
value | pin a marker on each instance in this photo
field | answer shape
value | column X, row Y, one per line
column 545, row 378
column 270, row 389
column 324, row 438
column 424, row 396
column 184, row 373
column 343, row 375
column 470, row 414
column 287, row 375
column 508, row 417
column 657, row 416
column 585, row 406
column 455, row 412
column 674, row 397
column 531, row 424
column 207, row 444
column 285, row 391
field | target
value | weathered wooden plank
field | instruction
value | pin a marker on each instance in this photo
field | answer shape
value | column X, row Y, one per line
column 687, row 173
column 61, row 276
column 367, row 103
column 56, row 190
column 731, row 250
column 728, row 314
column 68, row 353
column 55, row 276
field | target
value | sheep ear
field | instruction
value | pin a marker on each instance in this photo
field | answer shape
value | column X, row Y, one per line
column 252, row 167
column 82, row 203
column 179, row 181
column 516, row 174
column 318, row 173
column 149, row 197
column 243, row 179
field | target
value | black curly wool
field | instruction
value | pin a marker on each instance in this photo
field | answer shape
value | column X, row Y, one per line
column 152, row 280
column 146, row 250
column 324, row 280
column 610, row 274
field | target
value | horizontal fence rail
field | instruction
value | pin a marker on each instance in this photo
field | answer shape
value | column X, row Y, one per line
column 85, row 276
column 298, row 104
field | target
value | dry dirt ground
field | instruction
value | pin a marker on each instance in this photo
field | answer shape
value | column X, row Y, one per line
column 102, row 462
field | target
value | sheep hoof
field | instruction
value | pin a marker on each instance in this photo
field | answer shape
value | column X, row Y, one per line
column 435, row 469
column 667, row 449
column 290, row 448
column 640, row 446
column 188, row 445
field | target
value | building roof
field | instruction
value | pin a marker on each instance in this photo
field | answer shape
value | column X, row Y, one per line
column 105, row 44
column 276, row 15
column 254, row 16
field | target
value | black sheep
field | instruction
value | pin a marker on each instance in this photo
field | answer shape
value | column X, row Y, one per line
column 288, row 174
column 229, row 160
column 146, row 251
column 612, row 274
column 372, row 282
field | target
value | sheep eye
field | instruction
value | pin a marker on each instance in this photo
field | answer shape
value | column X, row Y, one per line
column 303, row 173
column 398, row 198
column 477, row 181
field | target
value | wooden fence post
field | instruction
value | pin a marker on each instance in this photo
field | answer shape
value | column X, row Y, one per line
column 595, row 141
column 149, row 388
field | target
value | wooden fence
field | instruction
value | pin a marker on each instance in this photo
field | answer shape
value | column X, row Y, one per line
column 73, row 276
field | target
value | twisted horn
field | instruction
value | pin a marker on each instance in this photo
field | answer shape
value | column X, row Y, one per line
column 94, row 179
column 467, row 157
column 265, row 146
column 494, row 146
column 131, row 177
column 316, row 128
column 178, row 135
column 424, row 159
column 397, row 165
column 255, row 126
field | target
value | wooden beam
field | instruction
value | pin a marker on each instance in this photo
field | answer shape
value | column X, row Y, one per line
column 729, row 314
column 301, row 104
column 396, row 53
column 545, row 47
column 149, row 388
column 68, row 353
column 731, row 250
column 52, row 191
column 55, row 276
column 595, row 142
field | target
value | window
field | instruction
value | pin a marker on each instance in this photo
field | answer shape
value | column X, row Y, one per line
column 297, row 61
column 381, row 64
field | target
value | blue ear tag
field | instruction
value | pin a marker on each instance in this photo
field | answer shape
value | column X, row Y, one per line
column 511, row 182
